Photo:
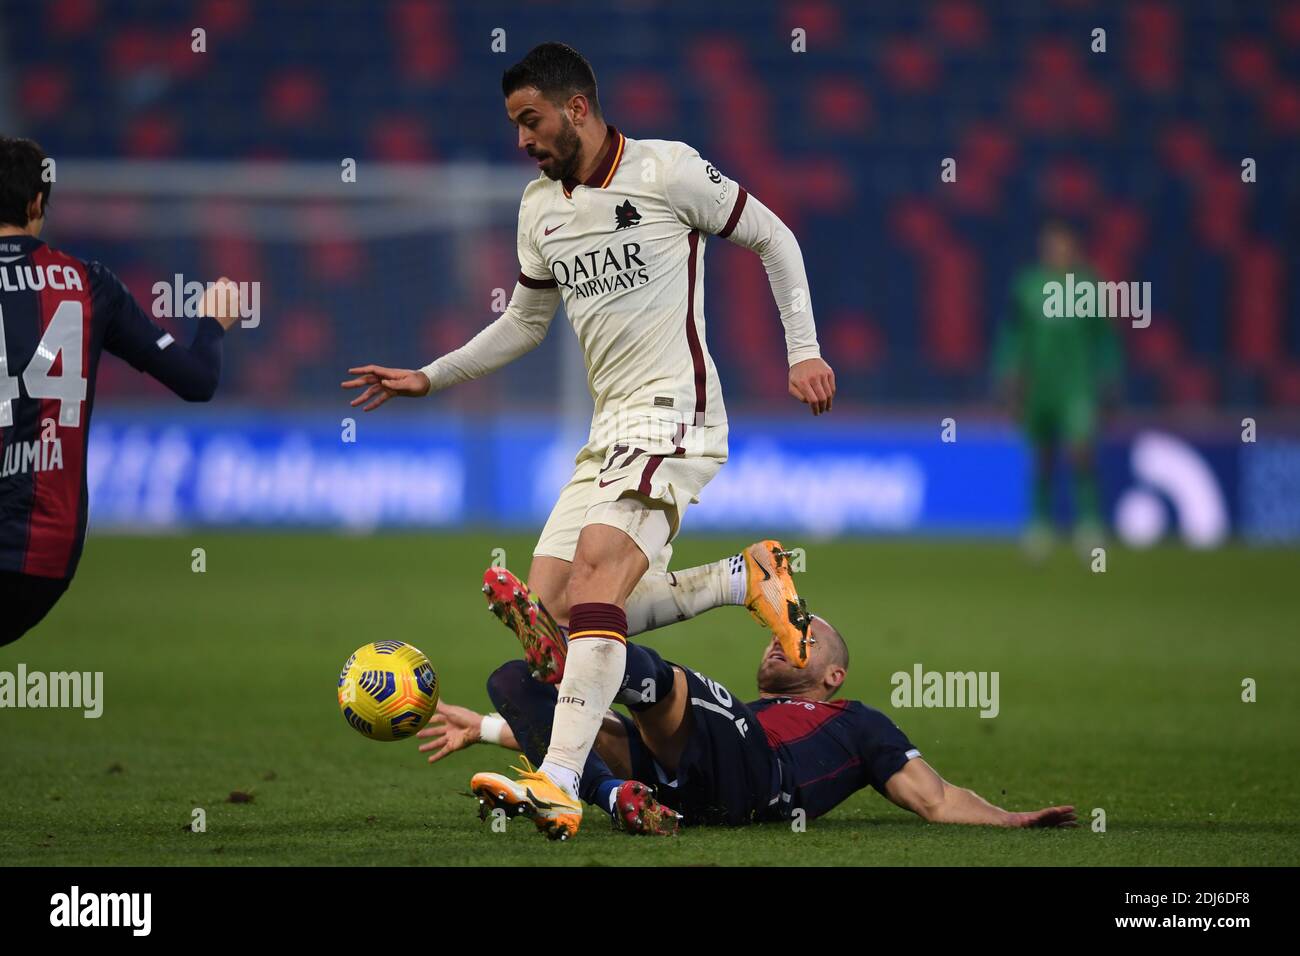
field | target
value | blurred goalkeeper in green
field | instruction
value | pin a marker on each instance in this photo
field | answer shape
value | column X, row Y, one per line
column 1058, row 372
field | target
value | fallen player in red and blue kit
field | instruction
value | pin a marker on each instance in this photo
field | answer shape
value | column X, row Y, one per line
column 712, row 758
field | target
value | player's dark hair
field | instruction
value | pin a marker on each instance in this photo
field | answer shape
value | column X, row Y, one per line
column 22, row 168
column 557, row 70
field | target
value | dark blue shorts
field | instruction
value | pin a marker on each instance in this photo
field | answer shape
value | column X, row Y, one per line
column 727, row 775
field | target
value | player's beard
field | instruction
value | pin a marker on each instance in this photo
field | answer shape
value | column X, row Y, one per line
column 566, row 152
column 783, row 681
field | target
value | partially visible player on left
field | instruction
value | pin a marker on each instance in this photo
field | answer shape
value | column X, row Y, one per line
column 57, row 314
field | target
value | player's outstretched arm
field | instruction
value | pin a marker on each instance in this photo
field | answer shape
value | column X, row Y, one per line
column 708, row 201
column 518, row 330
column 919, row 788
column 454, row 728
column 811, row 380
column 382, row 383
column 193, row 372
column 758, row 229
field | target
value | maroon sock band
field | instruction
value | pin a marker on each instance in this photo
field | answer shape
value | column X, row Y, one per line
column 597, row 620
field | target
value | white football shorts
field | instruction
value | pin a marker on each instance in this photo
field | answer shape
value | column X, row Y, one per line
column 641, row 483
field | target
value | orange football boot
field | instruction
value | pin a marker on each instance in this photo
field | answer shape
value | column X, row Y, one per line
column 534, row 795
column 771, row 598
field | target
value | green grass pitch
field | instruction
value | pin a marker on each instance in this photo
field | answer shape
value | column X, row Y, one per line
column 1119, row 691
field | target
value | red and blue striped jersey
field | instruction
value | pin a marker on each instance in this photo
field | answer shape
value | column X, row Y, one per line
column 830, row 749
column 57, row 314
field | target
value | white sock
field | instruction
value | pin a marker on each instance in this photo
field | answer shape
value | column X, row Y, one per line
column 564, row 778
column 738, row 578
column 662, row 598
column 593, row 674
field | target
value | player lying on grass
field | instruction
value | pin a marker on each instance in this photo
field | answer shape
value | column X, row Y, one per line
column 57, row 315
column 793, row 749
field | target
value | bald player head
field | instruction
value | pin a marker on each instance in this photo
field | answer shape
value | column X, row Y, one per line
column 828, row 666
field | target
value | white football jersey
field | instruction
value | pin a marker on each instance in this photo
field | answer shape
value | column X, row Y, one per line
column 626, row 251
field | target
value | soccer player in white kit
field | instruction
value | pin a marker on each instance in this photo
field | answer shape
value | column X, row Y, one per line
column 615, row 228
